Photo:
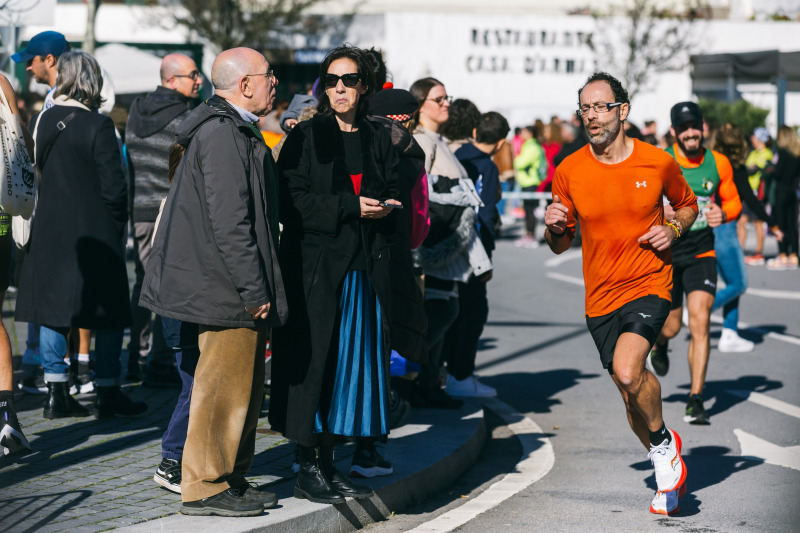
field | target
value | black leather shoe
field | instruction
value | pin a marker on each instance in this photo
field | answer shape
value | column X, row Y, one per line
column 226, row 503
column 112, row 401
column 60, row 404
column 267, row 499
column 311, row 484
column 339, row 481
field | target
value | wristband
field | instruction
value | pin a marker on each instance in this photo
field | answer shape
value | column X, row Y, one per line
column 677, row 223
column 674, row 228
column 556, row 235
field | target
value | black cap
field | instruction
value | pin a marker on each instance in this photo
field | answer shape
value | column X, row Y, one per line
column 393, row 102
column 684, row 112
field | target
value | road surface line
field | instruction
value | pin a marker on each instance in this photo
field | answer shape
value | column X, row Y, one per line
column 758, row 449
column 761, row 331
column 564, row 277
column 563, row 258
column 538, row 459
column 742, row 325
column 767, row 401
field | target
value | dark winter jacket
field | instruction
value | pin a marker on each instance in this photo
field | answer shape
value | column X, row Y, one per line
column 74, row 274
column 150, row 132
column 484, row 174
column 409, row 322
column 214, row 253
column 322, row 233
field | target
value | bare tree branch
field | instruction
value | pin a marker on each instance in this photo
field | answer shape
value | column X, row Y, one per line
column 654, row 40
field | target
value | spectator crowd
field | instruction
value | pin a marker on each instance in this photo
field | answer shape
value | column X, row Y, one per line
column 339, row 247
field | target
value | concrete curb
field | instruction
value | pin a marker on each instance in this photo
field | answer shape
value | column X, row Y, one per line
column 429, row 452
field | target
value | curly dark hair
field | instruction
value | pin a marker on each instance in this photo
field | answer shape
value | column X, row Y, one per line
column 365, row 71
column 620, row 94
column 730, row 142
column 463, row 118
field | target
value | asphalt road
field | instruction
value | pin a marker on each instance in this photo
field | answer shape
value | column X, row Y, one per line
column 743, row 469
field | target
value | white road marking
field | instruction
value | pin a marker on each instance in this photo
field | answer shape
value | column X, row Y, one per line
column 538, row 459
column 564, row 277
column 563, row 258
column 742, row 325
column 779, row 295
column 761, row 450
column 761, row 331
column 767, row 401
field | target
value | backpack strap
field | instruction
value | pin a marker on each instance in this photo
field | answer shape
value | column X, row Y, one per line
column 60, row 126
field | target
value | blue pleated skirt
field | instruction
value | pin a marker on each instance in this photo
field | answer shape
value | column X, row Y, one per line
column 359, row 404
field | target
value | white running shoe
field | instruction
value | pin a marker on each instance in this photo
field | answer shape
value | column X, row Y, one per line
column 668, row 463
column 731, row 342
column 468, row 387
column 665, row 503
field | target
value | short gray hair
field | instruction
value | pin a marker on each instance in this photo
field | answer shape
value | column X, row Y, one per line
column 79, row 77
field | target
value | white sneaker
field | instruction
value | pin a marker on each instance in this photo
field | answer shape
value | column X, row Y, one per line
column 665, row 503
column 668, row 463
column 731, row 342
column 469, row 387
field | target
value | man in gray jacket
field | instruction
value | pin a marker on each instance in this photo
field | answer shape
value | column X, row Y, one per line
column 214, row 264
column 150, row 132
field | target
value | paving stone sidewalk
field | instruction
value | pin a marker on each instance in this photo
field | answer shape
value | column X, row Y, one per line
column 92, row 475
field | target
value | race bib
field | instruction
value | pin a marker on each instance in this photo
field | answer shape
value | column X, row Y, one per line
column 701, row 222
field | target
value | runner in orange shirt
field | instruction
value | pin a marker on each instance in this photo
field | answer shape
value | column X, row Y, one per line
column 613, row 187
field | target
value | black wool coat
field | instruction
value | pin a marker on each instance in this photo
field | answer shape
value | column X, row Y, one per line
column 74, row 274
column 322, row 232
column 409, row 322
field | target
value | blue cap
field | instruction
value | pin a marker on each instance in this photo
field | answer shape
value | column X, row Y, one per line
column 42, row 44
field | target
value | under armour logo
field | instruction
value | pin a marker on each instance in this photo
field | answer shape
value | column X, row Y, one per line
column 642, row 184
column 645, row 316
column 709, row 283
column 685, row 109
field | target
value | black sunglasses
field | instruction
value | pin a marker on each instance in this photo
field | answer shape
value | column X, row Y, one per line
column 349, row 80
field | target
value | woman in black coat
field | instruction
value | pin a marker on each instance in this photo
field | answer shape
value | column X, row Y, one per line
column 330, row 361
column 74, row 274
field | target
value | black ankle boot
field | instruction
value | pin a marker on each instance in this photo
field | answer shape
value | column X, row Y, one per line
column 311, row 483
column 339, row 481
column 60, row 404
column 112, row 401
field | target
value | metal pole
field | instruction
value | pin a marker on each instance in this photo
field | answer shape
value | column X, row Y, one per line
column 731, row 84
column 781, row 83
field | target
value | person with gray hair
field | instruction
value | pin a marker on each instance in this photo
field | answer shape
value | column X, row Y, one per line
column 214, row 263
column 74, row 275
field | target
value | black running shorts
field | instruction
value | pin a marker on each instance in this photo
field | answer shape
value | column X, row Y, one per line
column 644, row 316
column 698, row 274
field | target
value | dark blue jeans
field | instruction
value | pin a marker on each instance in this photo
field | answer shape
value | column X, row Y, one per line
column 181, row 337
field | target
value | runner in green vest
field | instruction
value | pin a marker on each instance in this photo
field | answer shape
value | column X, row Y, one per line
column 694, row 263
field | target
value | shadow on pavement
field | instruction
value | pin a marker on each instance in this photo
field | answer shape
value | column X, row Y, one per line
column 536, row 389
column 16, row 512
column 724, row 400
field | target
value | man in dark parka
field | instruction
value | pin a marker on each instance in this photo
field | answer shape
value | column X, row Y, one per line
column 214, row 263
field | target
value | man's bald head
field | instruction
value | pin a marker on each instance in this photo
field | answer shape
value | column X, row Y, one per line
column 231, row 65
column 173, row 64
column 239, row 76
column 179, row 73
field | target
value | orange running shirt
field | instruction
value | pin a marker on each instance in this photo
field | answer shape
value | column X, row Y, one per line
column 616, row 204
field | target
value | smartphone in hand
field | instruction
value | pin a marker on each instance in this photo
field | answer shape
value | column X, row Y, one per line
column 395, row 206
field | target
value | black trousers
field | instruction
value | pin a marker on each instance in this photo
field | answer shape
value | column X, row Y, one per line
column 461, row 339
